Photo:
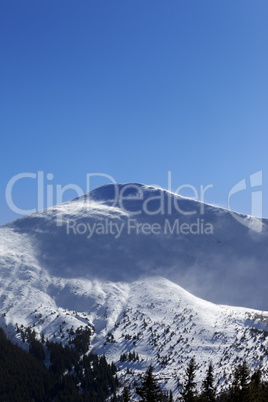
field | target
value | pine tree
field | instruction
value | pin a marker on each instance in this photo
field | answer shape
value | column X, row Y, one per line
column 126, row 395
column 149, row 390
column 240, row 385
column 256, row 388
column 189, row 388
column 208, row 389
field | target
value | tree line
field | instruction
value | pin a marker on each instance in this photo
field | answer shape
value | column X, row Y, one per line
column 243, row 387
column 70, row 374
column 24, row 376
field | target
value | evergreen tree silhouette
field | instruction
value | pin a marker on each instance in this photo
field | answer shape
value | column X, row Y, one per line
column 208, row 389
column 149, row 390
column 189, row 388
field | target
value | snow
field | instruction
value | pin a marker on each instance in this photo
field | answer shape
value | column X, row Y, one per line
column 164, row 324
column 97, row 236
column 131, row 289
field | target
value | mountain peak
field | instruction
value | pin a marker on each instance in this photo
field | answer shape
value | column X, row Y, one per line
column 113, row 191
column 127, row 231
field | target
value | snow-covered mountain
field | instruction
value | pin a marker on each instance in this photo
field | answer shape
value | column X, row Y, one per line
column 117, row 260
column 103, row 236
column 158, row 320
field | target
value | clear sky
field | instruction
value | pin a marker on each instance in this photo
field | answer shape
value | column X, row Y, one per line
column 134, row 89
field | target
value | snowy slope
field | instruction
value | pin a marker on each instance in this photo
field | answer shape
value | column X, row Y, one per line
column 155, row 318
column 227, row 266
column 129, row 288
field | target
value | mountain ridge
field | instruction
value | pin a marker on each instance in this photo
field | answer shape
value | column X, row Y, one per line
column 227, row 266
column 158, row 320
column 139, row 292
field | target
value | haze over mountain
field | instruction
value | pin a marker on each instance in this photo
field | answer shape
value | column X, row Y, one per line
column 127, row 232
column 115, row 262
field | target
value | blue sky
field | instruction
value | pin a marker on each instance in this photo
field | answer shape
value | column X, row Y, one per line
column 134, row 89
